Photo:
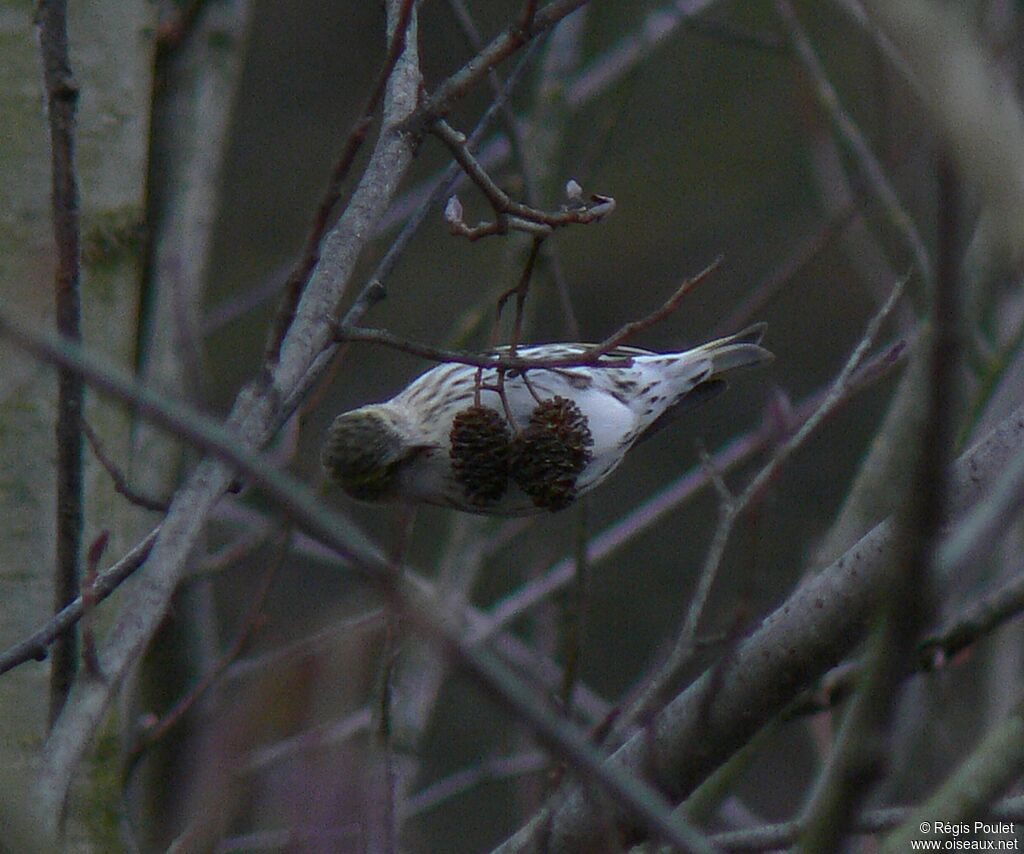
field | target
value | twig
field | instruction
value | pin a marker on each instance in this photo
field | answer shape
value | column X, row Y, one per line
column 35, row 647
column 851, row 135
column 89, row 656
column 766, row 290
column 61, row 101
column 315, row 739
column 321, row 642
column 634, row 48
column 500, row 48
column 232, row 552
column 591, row 356
column 486, row 771
column 121, row 485
column 511, row 123
column 509, row 214
column 973, row 623
column 454, row 173
column 520, row 291
column 357, row 134
column 250, row 623
column 634, row 327
column 574, row 612
column 855, row 10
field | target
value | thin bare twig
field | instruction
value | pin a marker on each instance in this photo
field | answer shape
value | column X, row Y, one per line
column 855, row 141
column 61, row 101
column 314, row 740
column 36, row 646
column 628, row 330
column 437, row 104
column 319, row 643
column 520, row 291
column 89, row 655
column 488, row 770
column 592, row 356
column 509, row 214
column 250, row 623
column 121, row 485
column 509, row 120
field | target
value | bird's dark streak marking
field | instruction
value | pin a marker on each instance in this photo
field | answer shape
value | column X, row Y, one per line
column 416, row 391
column 580, row 382
column 622, row 389
column 458, row 391
column 419, row 393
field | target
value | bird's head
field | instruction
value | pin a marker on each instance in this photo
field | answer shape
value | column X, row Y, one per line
column 364, row 451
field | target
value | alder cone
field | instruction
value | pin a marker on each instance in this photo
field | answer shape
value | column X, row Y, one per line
column 479, row 453
column 550, row 452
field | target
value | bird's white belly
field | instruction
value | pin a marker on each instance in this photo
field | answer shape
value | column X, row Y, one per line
column 432, row 479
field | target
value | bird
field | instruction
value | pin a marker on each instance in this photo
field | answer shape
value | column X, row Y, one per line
column 512, row 442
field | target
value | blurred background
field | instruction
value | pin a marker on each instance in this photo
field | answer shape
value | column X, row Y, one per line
column 705, row 122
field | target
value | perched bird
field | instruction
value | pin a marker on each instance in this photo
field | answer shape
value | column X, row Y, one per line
column 452, row 439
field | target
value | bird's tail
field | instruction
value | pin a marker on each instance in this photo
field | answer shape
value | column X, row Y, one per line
column 732, row 353
column 742, row 350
